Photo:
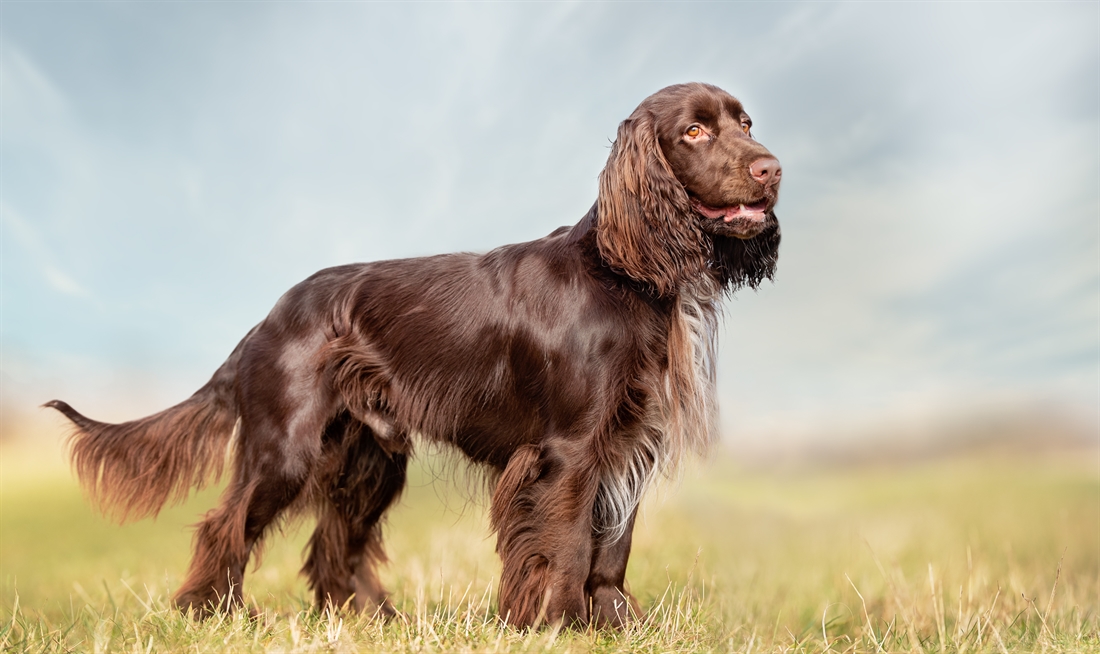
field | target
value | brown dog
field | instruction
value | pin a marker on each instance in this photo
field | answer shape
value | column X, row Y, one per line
column 573, row 368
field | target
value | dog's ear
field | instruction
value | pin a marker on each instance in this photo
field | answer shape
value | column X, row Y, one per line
column 645, row 228
column 747, row 262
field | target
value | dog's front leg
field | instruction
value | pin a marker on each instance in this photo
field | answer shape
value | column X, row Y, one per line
column 542, row 512
column 610, row 605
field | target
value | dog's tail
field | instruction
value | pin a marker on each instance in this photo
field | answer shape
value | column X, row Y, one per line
column 132, row 469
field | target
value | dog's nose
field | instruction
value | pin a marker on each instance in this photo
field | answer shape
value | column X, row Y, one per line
column 766, row 171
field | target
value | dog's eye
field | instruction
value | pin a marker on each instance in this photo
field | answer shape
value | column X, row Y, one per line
column 694, row 131
column 746, row 126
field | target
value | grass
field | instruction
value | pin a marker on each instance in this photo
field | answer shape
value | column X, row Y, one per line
column 976, row 553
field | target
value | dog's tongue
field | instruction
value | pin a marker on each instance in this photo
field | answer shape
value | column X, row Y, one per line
column 728, row 214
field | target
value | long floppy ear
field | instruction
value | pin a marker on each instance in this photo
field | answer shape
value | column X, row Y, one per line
column 747, row 262
column 646, row 228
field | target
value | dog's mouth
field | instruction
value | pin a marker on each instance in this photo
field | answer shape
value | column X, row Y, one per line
column 753, row 212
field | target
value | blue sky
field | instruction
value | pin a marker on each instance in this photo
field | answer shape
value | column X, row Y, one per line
column 170, row 168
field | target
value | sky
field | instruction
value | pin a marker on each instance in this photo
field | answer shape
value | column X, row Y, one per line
column 169, row 169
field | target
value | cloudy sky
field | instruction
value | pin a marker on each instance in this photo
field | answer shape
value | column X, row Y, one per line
column 170, row 168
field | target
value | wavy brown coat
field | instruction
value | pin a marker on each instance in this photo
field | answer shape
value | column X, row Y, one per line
column 573, row 368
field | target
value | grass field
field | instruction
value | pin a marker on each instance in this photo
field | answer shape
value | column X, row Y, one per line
column 997, row 553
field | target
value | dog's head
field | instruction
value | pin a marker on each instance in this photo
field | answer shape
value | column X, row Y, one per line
column 687, row 190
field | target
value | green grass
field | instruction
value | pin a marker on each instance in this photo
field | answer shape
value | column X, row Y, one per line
column 981, row 554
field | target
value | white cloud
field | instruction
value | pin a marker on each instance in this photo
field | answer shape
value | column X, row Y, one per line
column 28, row 238
column 32, row 103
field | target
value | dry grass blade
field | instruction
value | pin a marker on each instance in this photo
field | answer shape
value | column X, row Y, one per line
column 938, row 611
column 866, row 616
column 1050, row 602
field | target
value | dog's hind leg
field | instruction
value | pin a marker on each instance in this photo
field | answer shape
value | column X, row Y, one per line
column 358, row 481
column 225, row 539
column 284, row 410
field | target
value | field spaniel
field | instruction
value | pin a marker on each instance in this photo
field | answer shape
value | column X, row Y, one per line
column 573, row 369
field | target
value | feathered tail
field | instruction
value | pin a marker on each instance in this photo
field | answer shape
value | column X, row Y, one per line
column 132, row 469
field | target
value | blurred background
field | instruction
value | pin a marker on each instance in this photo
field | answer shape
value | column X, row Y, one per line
column 167, row 170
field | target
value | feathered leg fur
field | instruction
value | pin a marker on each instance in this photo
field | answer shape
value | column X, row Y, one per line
column 357, row 482
column 542, row 513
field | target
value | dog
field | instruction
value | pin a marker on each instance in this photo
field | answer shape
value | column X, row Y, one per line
column 573, row 369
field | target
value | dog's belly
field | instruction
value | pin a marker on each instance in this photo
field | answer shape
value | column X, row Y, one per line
column 505, row 407
column 485, row 445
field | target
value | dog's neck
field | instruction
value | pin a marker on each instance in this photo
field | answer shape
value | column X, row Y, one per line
column 707, row 288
